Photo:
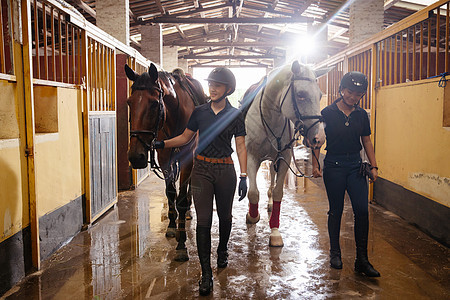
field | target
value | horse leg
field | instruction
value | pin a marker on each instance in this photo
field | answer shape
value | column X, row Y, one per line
column 270, row 190
column 182, row 206
column 171, row 194
column 189, row 199
column 275, row 239
column 253, row 193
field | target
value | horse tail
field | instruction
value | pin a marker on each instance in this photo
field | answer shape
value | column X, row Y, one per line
column 250, row 95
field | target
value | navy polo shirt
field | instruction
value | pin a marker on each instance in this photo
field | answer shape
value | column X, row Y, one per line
column 216, row 131
column 342, row 139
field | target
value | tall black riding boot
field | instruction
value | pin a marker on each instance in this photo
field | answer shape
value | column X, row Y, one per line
column 334, row 228
column 205, row 285
column 362, row 264
column 222, row 250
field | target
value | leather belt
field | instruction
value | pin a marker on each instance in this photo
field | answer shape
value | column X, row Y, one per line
column 224, row 160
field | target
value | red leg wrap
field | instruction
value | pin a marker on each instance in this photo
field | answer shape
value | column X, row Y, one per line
column 275, row 216
column 253, row 210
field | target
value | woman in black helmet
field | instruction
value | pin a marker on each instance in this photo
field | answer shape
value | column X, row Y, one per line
column 213, row 174
column 347, row 125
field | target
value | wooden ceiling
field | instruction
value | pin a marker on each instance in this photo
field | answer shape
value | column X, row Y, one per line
column 243, row 32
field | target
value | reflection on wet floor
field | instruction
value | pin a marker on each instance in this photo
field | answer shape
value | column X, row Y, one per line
column 125, row 255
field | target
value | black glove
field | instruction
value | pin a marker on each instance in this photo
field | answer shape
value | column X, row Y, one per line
column 242, row 189
column 158, row 144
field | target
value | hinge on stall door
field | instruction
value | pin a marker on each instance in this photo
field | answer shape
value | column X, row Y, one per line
column 28, row 152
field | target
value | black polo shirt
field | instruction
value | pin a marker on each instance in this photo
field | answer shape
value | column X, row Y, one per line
column 343, row 139
column 216, row 131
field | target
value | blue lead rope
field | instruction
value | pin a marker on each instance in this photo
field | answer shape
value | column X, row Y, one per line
column 443, row 80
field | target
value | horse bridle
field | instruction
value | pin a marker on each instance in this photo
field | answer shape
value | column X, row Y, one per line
column 154, row 133
column 161, row 116
column 299, row 125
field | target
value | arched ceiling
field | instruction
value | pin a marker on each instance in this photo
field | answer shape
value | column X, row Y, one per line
column 244, row 32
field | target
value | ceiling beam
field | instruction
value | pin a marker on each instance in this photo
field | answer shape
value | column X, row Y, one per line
column 181, row 32
column 238, row 57
column 86, row 8
column 160, row 7
column 273, row 43
column 145, row 18
column 254, row 21
column 267, row 10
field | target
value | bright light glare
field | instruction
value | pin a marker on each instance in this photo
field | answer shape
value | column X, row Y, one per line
column 305, row 45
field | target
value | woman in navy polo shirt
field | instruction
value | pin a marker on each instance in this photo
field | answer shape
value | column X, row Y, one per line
column 213, row 174
column 347, row 125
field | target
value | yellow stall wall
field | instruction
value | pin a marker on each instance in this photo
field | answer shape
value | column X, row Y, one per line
column 59, row 155
column 13, row 209
column 412, row 146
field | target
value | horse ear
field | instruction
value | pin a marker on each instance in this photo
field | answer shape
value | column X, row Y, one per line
column 295, row 67
column 132, row 75
column 322, row 71
column 153, row 72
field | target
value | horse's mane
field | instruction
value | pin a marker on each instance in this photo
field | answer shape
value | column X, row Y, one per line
column 191, row 85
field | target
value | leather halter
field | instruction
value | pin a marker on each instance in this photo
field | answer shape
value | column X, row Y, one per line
column 299, row 124
column 161, row 117
column 154, row 133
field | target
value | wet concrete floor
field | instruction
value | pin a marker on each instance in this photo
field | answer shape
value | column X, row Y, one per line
column 125, row 255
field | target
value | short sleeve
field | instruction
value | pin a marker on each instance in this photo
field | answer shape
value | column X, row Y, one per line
column 366, row 125
column 193, row 121
column 240, row 125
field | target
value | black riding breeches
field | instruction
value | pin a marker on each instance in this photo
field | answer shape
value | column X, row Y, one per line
column 208, row 181
column 340, row 174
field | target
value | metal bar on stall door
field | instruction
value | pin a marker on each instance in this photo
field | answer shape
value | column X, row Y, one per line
column 89, row 75
column 438, row 31
column 384, row 72
column 61, row 66
column 80, row 51
column 400, row 79
column 67, row 52
column 2, row 46
column 421, row 52
column 407, row 56
column 44, row 38
column 447, row 36
column 429, row 48
column 395, row 60
column 36, row 39
column 73, row 54
column 52, row 10
column 391, row 62
column 112, row 77
column 414, row 53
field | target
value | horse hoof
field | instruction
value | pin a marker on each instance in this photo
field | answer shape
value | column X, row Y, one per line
column 188, row 215
column 181, row 255
column 275, row 239
column 171, row 232
column 251, row 220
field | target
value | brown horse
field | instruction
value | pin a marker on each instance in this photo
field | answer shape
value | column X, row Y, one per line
column 160, row 106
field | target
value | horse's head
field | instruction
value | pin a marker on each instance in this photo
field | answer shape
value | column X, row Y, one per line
column 147, row 113
column 302, row 104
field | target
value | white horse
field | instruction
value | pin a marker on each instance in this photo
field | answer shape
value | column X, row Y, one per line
column 287, row 103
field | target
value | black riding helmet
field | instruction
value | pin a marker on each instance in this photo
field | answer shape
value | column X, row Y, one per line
column 224, row 76
column 354, row 81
